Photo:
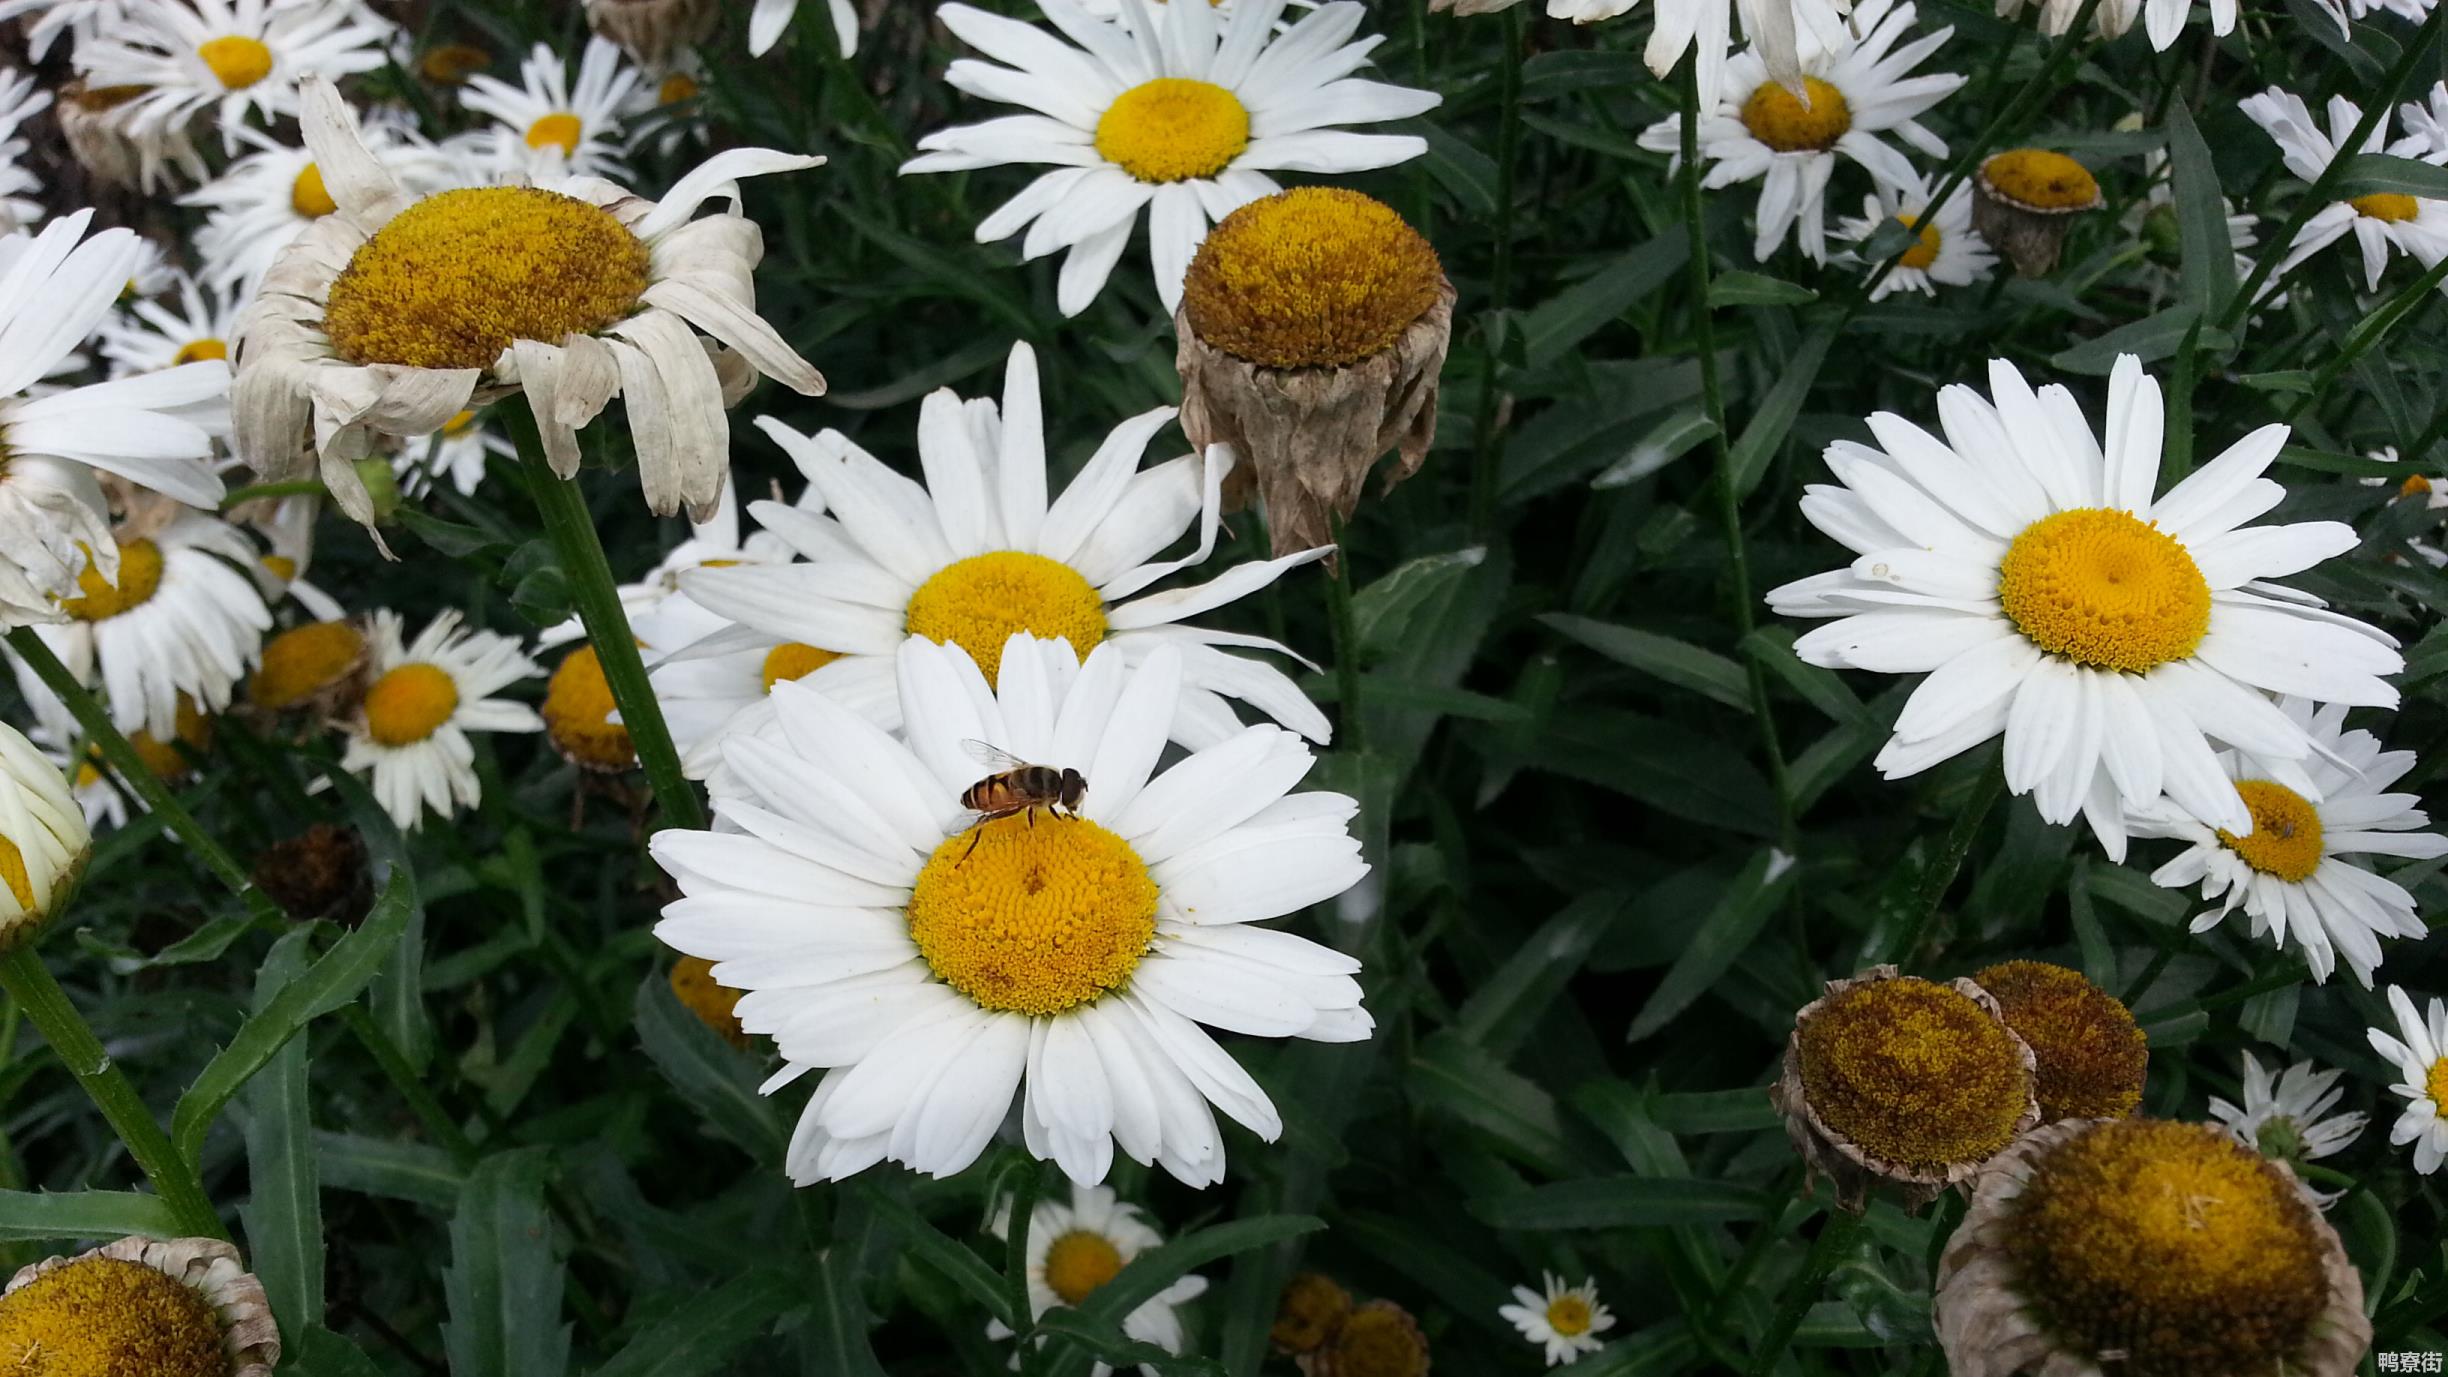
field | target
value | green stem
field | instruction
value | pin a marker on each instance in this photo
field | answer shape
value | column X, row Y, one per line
column 2370, row 331
column 572, row 532
column 1834, row 1237
column 1936, row 880
column 1489, row 452
column 46, row 1005
column 134, row 773
column 411, row 1086
column 1015, row 1262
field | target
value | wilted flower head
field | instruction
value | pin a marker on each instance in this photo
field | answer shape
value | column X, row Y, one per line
column 2026, row 199
column 180, row 1307
column 2091, row 1054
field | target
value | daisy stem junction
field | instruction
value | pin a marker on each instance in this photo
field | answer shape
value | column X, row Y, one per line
column 36, row 991
column 572, row 531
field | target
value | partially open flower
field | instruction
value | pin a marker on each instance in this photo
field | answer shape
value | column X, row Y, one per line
column 180, row 1307
column 320, row 873
column 653, row 29
column 2148, row 1249
column 43, row 838
column 1379, row 1339
column 320, row 665
column 577, row 714
column 1313, row 326
column 715, row 1005
column 2092, row 1055
column 1889, row 1078
column 1313, row 1307
column 2028, row 198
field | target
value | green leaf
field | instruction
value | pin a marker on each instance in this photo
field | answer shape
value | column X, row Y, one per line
column 1623, row 1202
column 330, row 983
column 398, row 996
column 284, row 1210
column 2370, row 174
column 1663, row 766
column 1670, row 439
column 707, row 1329
column 1772, row 417
column 49, row 1216
column 1747, row 904
column 839, row 1325
column 1499, row 1015
column 1117, row 1350
column 2208, row 271
column 2151, row 339
column 1744, row 1110
column 412, row 1172
column 503, row 1286
column 1461, row 169
column 1738, row 288
column 1390, row 608
column 1451, row 1076
column 718, row 1079
column 963, row 1267
column 324, row 1354
column 1677, row 662
column 1551, row 329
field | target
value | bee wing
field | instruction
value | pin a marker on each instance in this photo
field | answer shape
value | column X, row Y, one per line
column 993, row 756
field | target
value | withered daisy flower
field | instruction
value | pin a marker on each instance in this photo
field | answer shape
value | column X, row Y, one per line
column 314, row 665
column 1891, row 1078
column 2026, row 199
column 1309, row 1312
column 1313, row 325
column 2091, row 1054
column 319, row 873
column 2148, row 1249
column 179, row 1307
column 1379, row 1339
column 577, row 712
column 715, row 1004
column 653, row 29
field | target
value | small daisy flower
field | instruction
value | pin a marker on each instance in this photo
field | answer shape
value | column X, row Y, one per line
column 580, row 122
column 2381, row 221
column 1856, row 88
column 44, row 837
column 664, row 112
column 422, row 698
column 1703, row 27
column 2288, row 1119
column 266, row 199
column 2108, row 635
column 394, row 314
column 459, row 451
column 233, row 57
column 2420, row 1054
column 2291, row 872
column 1176, row 108
column 1946, row 251
column 934, row 963
column 1075, row 1248
column 1566, row 1321
column 153, row 335
column 2426, row 125
column 770, row 17
column 973, row 556
column 175, row 1307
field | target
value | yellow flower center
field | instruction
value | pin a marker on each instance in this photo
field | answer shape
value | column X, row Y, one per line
column 309, row 197
column 2415, row 486
column 1915, row 1073
column 1925, row 247
column 200, row 351
column 1379, row 1339
column 2105, row 590
column 1040, row 917
column 103, row 1317
column 2038, row 179
column 978, row 603
column 2286, row 835
column 410, row 703
column 791, row 660
column 459, row 425
column 576, row 702
column 677, row 87
column 165, row 759
column 2435, row 1085
column 2171, row 1244
column 560, row 129
column 1317, row 277
column 2090, row 1052
column 280, row 567
column 1568, row 1315
column 304, row 661
column 457, row 276
column 1173, row 129
column 1079, row 1262
column 2392, row 206
column 237, row 60
column 1812, row 123
column 140, row 571
column 716, row 1006
column 453, row 63
column 13, row 874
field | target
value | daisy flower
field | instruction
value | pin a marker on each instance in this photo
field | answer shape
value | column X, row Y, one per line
column 1073, row 1249
column 2379, row 222
column 266, row 199
column 2288, row 1119
column 2426, row 125
column 2291, row 870
column 394, row 314
column 580, row 122
column 233, row 57
column 459, row 451
column 974, row 555
column 1947, row 250
column 933, row 968
column 2420, row 1053
column 422, row 698
column 1858, row 86
column 770, row 17
column 664, row 111
column 1703, row 27
column 2111, row 19
column 180, row 616
column 2108, row 635
column 1176, row 108
column 1566, row 1321
column 155, row 431
column 151, row 335
column 20, row 190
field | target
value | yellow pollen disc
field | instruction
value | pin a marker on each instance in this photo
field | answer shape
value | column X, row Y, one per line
column 2435, row 1085
column 304, row 661
column 2038, row 179
column 2104, row 590
column 1788, row 125
column 237, row 60
column 1173, row 129
column 2171, row 1244
column 2415, row 486
column 1925, row 248
column 716, row 1006
column 457, row 276
column 1043, row 916
column 280, row 567
column 677, row 87
column 200, row 351
column 559, row 129
column 1568, row 1315
column 1316, row 277
column 576, row 702
column 13, row 874
column 1079, row 1262
column 979, row 602
column 140, row 571
column 791, row 660
column 2091, row 1054
column 165, row 760
column 453, row 63
column 103, row 1317
column 2392, row 206
column 309, row 197
column 1915, row 1073
column 2286, row 835
column 410, row 703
